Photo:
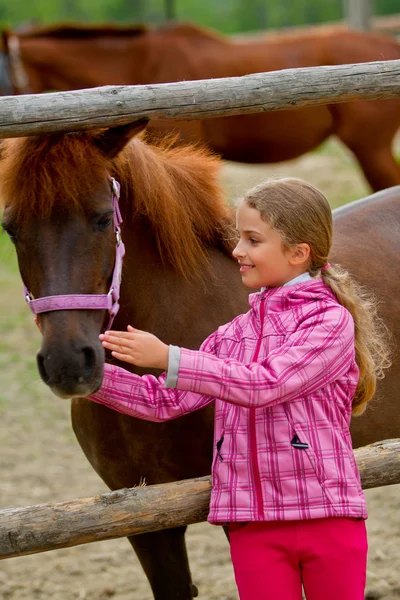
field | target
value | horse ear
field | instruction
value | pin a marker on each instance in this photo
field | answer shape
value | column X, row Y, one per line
column 113, row 140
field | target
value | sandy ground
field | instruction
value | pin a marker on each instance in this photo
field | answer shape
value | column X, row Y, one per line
column 41, row 461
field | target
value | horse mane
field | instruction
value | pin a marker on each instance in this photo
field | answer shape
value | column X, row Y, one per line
column 82, row 31
column 175, row 188
column 73, row 31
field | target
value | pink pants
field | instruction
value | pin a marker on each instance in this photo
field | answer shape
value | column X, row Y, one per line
column 274, row 560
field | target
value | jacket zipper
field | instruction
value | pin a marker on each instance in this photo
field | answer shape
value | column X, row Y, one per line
column 252, row 424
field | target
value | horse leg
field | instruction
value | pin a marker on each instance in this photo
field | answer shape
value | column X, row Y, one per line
column 379, row 166
column 164, row 559
column 368, row 130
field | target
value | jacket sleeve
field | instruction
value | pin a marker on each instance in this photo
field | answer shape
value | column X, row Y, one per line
column 146, row 396
column 320, row 351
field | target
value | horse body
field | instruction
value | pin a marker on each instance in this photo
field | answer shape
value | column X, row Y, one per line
column 67, row 58
column 179, row 282
column 366, row 241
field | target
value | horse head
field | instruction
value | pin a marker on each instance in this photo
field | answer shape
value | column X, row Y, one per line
column 58, row 213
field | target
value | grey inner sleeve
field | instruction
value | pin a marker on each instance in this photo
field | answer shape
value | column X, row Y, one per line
column 174, row 358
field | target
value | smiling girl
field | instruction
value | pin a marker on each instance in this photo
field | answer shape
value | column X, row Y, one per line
column 285, row 378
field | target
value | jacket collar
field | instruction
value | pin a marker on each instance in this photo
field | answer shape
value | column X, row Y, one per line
column 295, row 293
column 298, row 279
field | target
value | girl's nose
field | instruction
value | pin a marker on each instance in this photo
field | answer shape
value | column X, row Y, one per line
column 237, row 252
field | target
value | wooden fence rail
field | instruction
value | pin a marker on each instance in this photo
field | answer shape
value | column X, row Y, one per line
column 276, row 90
column 32, row 529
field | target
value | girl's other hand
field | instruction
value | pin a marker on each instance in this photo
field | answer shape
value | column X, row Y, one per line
column 136, row 347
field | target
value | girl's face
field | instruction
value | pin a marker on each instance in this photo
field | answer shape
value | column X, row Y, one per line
column 263, row 259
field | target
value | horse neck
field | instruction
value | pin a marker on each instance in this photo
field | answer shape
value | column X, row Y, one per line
column 141, row 268
column 156, row 56
column 179, row 311
column 67, row 63
column 151, row 292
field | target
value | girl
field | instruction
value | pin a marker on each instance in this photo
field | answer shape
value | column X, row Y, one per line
column 285, row 378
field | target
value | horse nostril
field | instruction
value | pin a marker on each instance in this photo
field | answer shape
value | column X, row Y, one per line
column 41, row 368
column 90, row 359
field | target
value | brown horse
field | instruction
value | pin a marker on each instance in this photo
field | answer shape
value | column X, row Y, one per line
column 179, row 282
column 63, row 58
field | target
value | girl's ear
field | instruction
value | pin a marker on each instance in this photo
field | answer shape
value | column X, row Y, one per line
column 300, row 254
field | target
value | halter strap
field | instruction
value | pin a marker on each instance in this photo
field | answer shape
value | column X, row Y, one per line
column 108, row 301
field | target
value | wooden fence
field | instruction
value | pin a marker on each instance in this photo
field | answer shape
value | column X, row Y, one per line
column 276, row 90
column 143, row 509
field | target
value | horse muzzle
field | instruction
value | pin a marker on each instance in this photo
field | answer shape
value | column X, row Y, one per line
column 73, row 371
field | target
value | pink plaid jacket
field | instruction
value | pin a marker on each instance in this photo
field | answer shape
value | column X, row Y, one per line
column 282, row 377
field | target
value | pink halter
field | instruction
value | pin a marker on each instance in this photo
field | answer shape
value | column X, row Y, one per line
column 90, row 301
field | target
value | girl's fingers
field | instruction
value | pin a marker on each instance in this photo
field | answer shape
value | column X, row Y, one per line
column 115, row 335
column 123, row 357
column 125, row 334
column 117, row 347
column 131, row 329
column 117, row 339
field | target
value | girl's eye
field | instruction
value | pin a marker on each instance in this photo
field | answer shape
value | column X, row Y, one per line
column 253, row 241
column 104, row 223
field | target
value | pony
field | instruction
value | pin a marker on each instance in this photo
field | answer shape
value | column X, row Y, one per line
column 179, row 281
column 71, row 57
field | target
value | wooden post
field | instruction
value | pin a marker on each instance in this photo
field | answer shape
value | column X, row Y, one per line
column 358, row 14
column 170, row 10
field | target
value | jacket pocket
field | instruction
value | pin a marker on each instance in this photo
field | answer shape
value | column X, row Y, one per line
column 300, row 444
column 316, row 465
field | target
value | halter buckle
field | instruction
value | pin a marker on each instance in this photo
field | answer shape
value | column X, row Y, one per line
column 115, row 187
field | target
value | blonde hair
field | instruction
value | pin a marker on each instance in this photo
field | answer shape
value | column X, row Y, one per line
column 301, row 214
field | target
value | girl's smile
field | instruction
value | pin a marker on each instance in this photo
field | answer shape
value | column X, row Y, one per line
column 244, row 268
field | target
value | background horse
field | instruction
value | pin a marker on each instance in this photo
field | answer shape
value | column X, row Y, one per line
column 63, row 58
column 179, row 282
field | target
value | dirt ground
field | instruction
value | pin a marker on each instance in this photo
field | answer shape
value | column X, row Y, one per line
column 41, row 461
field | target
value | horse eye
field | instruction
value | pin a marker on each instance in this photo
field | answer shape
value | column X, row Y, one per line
column 104, row 223
column 11, row 234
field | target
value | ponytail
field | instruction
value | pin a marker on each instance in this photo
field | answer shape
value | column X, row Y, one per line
column 372, row 340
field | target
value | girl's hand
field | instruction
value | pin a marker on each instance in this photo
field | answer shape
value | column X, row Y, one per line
column 137, row 347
